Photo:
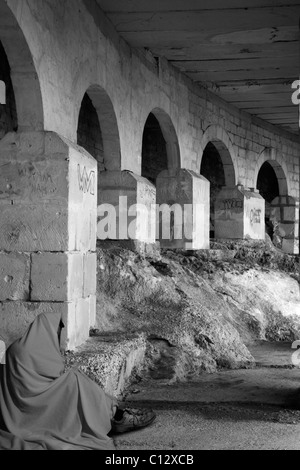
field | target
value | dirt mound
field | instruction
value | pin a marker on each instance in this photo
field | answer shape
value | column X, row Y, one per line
column 199, row 310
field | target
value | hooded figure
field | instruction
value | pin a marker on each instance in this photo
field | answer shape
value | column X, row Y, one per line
column 42, row 408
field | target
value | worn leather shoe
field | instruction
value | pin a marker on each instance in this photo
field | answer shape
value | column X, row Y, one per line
column 132, row 420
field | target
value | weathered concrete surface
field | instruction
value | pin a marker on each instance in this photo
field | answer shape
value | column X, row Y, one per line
column 110, row 360
column 62, row 277
column 14, row 276
column 244, row 409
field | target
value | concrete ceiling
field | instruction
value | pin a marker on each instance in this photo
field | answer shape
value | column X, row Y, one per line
column 246, row 51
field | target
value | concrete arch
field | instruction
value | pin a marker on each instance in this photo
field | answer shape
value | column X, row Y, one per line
column 270, row 156
column 24, row 77
column 220, row 139
column 108, row 124
column 170, row 136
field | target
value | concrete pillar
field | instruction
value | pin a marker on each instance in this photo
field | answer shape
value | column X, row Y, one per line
column 48, row 213
column 285, row 219
column 187, row 221
column 126, row 208
column 239, row 214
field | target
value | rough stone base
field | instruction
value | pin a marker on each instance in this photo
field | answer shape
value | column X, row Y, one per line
column 110, row 360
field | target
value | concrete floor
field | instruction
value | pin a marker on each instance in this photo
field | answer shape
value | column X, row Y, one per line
column 243, row 409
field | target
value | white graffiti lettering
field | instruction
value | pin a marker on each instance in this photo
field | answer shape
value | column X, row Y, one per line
column 87, row 182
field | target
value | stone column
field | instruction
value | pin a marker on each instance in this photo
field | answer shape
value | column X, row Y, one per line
column 184, row 223
column 126, row 209
column 284, row 216
column 48, row 212
column 239, row 214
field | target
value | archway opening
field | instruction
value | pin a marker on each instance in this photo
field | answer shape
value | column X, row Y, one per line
column 160, row 146
column 212, row 169
column 8, row 111
column 267, row 183
column 89, row 135
column 268, row 186
column 98, row 130
column 154, row 151
column 23, row 74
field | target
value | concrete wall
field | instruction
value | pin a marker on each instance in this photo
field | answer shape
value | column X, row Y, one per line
column 75, row 48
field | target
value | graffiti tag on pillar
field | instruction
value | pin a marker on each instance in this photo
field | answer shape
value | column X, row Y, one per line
column 87, row 181
column 255, row 216
column 231, row 204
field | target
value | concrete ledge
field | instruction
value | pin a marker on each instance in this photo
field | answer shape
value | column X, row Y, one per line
column 110, row 359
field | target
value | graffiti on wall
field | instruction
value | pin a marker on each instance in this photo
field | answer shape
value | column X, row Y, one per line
column 35, row 178
column 231, row 204
column 229, row 209
column 87, row 181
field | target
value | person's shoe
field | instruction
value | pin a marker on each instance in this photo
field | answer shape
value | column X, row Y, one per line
column 132, row 420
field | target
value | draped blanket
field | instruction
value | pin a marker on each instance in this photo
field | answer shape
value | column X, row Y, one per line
column 42, row 408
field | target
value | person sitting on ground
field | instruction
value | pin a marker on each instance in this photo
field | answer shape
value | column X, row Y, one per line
column 44, row 408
